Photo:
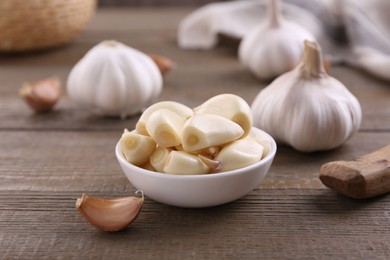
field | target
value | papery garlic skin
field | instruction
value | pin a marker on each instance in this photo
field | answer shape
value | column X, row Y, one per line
column 115, row 80
column 109, row 214
column 306, row 108
column 273, row 47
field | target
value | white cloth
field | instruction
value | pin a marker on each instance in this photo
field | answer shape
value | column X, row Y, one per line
column 356, row 32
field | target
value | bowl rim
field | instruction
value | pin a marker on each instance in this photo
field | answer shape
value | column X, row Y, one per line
column 265, row 160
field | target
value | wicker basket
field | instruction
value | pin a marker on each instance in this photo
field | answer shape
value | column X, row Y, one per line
column 38, row 24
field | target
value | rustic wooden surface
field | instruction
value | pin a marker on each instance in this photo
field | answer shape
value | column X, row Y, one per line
column 47, row 161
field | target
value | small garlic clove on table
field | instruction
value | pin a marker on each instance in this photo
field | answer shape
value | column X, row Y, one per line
column 109, row 214
column 41, row 95
column 164, row 64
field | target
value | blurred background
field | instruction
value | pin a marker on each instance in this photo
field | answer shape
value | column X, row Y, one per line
column 104, row 3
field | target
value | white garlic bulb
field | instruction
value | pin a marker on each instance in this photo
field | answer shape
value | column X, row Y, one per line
column 115, row 80
column 273, row 47
column 306, row 108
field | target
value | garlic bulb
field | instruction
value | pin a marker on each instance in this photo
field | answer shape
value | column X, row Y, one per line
column 273, row 47
column 115, row 80
column 306, row 108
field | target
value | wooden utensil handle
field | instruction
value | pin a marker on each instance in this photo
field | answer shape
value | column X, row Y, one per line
column 365, row 177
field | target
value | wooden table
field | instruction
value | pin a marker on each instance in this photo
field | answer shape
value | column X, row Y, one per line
column 47, row 161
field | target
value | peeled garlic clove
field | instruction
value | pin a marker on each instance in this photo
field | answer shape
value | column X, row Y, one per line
column 148, row 166
column 176, row 107
column 262, row 139
column 136, row 148
column 206, row 130
column 231, row 107
column 41, row 95
column 240, row 153
column 306, row 108
column 109, row 214
column 165, row 127
column 273, row 47
column 164, row 64
column 183, row 163
column 158, row 158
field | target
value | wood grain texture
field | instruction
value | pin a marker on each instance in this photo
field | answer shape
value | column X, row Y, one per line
column 298, row 224
column 85, row 160
column 47, row 161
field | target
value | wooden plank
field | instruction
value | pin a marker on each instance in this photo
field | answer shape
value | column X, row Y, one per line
column 190, row 83
column 198, row 76
column 85, row 160
column 293, row 224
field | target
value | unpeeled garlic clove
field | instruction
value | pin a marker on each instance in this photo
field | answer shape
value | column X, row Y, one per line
column 163, row 63
column 214, row 165
column 136, row 148
column 176, row 107
column 109, row 214
column 206, row 130
column 165, row 127
column 239, row 154
column 183, row 163
column 231, row 107
column 41, row 95
column 209, row 152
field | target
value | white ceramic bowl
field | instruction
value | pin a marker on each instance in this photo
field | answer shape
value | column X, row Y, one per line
column 194, row 191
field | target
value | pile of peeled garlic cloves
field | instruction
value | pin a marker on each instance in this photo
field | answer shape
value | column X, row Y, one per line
column 214, row 137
